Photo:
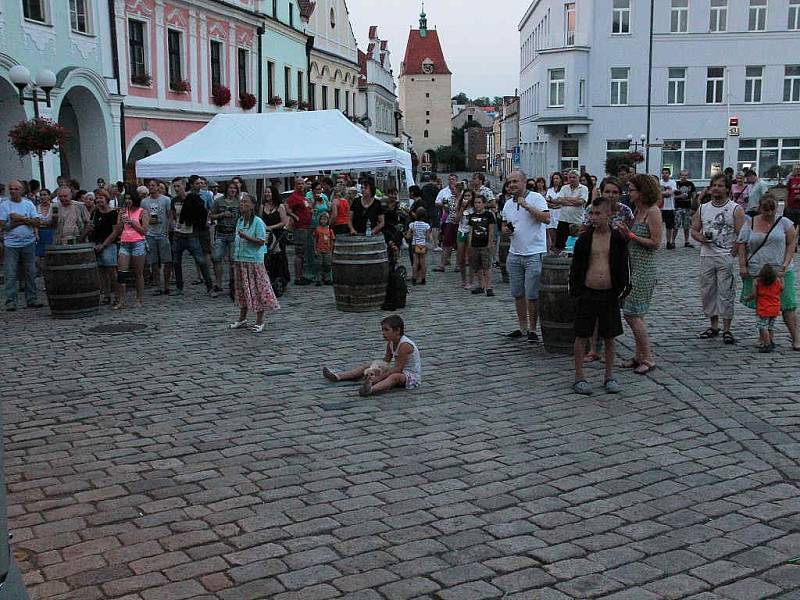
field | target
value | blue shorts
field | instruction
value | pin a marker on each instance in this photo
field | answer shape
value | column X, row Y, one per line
column 159, row 250
column 133, row 248
column 524, row 273
column 223, row 244
column 107, row 256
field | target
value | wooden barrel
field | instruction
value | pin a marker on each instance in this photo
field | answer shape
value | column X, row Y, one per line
column 360, row 272
column 72, row 281
column 556, row 306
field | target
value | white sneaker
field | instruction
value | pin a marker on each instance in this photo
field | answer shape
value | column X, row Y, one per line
column 238, row 324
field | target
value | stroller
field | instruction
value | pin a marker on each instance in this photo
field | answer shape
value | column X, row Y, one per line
column 277, row 262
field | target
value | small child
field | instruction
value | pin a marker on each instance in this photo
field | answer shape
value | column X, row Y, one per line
column 419, row 234
column 767, row 294
column 323, row 250
column 406, row 372
column 481, row 245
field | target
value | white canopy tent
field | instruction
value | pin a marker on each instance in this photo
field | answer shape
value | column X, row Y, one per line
column 277, row 144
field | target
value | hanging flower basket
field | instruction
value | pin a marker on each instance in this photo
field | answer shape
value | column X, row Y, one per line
column 304, row 106
column 247, row 100
column 635, row 156
column 181, row 86
column 276, row 101
column 141, row 79
column 37, row 136
column 220, row 95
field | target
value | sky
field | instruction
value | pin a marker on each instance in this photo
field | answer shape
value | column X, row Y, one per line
column 481, row 47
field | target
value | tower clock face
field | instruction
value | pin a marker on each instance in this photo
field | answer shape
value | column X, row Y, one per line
column 427, row 68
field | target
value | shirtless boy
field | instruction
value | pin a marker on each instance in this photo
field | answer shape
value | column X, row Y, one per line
column 599, row 279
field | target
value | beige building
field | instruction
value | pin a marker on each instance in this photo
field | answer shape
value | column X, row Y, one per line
column 425, row 92
column 333, row 69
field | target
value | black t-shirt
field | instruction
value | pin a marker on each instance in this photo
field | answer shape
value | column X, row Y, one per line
column 363, row 214
column 479, row 223
column 102, row 225
column 429, row 193
column 688, row 190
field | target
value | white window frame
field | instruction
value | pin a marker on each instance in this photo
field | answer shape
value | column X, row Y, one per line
column 87, row 8
column 793, row 21
column 753, row 84
column 757, row 15
column 718, row 16
column 621, row 15
column 715, row 85
column 556, row 88
column 699, row 146
column 679, row 16
column 791, row 84
column 676, row 86
column 569, row 34
column 46, row 13
column 620, row 87
column 146, row 48
column 222, row 63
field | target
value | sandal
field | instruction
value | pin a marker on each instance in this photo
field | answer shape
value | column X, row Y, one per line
column 330, row 375
column 644, row 368
column 727, row 338
column 709, row 333
column 631, row 363
column 582, row 387
column 591, row 357
column 257, row 328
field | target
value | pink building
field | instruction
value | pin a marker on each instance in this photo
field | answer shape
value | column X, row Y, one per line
column 173, row 56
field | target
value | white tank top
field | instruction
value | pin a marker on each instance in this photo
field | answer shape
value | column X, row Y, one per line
column 414, row 362
column 719, row 220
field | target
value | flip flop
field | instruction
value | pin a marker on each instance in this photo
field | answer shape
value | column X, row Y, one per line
column 644, row 368
column 631, row 363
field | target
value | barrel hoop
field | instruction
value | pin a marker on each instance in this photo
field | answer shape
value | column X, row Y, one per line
column 73, row 267
column 95, row 293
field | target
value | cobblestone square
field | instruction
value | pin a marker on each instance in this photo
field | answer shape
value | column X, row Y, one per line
column 189, row 461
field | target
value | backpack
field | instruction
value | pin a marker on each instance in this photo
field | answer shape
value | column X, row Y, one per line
column 396, row 289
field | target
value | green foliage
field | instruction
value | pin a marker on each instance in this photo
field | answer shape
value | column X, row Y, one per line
column 451, row 158
column 461, row 98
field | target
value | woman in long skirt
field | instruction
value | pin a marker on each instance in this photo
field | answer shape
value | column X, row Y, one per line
column 252, row 285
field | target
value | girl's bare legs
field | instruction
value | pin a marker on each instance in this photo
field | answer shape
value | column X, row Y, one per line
column 790, row 318
column 243, row 314
column 124, row 263
column 260, row 317
column 137, row 262
column 641, row 337
column 462, row 262
column 353, row 374
column 392, row 381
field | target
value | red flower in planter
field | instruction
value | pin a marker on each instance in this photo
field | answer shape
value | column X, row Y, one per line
column 141, row 79
column 247, row 100
column 182, row 86
column 37, row 136
column 276, row 101
column 220, row 95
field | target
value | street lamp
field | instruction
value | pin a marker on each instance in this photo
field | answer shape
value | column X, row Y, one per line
column 641, row 141
column 46, row 81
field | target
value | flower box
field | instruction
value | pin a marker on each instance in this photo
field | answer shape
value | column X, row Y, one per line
column 181, row 86
column 276, row 101
column 143, row 79
column 220, row 95
column 247, row 100
column 291, row 104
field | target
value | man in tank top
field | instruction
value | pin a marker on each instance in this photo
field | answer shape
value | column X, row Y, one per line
column 716, row 226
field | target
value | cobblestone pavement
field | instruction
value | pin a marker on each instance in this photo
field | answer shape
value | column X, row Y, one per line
column 188, row 461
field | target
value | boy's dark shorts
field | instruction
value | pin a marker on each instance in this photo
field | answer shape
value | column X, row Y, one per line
column 598, row 307
column 668, row 216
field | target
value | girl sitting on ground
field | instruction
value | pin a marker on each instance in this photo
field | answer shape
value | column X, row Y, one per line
column 406, row 372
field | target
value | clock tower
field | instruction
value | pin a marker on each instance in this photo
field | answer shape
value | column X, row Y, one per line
column 425, row 90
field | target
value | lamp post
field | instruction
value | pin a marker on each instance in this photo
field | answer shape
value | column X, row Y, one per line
column 641, row 141
column 46, row 81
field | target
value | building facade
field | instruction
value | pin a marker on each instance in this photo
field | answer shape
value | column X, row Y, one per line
column 378, row 91
column 584, row 84
column 334, row 69
column 471, row 113
column 425, row 92
column 73, row 40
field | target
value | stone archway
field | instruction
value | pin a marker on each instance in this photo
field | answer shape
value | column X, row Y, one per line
column 85, row 156
column 12, row 166
column 144, row 147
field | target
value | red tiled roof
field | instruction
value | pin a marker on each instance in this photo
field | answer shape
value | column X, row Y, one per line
column 306, row 8
column 362, row 65
column 419, row 48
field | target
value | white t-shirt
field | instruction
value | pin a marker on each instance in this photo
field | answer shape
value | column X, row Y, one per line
column 446, row 199
column 669, row 200
column 530, row 235
column 420, row 232
column 573, row 214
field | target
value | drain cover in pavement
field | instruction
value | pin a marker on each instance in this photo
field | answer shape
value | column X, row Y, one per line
column 118, row 328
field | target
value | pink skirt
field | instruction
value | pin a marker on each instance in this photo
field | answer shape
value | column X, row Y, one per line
column 253, row 289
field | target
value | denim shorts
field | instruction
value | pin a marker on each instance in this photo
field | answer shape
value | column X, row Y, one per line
column 524, row 273
column 133, row 248
column 159, row 250
column 221, row 244
column 107, row 256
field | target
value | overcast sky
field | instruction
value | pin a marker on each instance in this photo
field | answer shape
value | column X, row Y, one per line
column 481, row 46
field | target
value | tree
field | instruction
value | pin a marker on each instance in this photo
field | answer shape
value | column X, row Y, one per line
column 461, row 98
column 451, row 157
column 497, row 102
column 482, row 101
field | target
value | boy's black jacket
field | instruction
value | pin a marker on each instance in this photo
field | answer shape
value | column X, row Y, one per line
column 619, row 265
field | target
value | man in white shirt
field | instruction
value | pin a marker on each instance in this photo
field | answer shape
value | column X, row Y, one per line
column 668, row 189
column 572, row 201
column 446, row 199
column 525, row 217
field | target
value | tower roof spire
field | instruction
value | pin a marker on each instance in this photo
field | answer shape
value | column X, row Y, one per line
column 423, row 21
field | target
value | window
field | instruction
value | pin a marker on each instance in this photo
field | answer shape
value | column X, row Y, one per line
column 324, row 97
column 556, row 88
column 299, row 87
column 616, row 148
column 174, row 57
column 291, row 14
column 312, row 95
column 718, row 17
column 582, row 93
column 216, row 62
column 757, row 17
column 35, row 10
column 791, row 84
column 676, row 88
column 333, row 19
column 569, row 154
column 753, row 80
column 619, row 86
column 570, row 20
column 715, row 85
column 621, row 17
column 794, row 15
column 346, row 102
column 79, row 15
column 766, row 155
column 425, row 134
column 270, row 79
column 679, row 16
column 136, row 49
column 241, row 69
column 702, row 158
column 337, row 99
column 287, row 83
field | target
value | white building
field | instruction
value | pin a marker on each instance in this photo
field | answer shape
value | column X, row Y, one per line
column 377, row 89
column 584, row 83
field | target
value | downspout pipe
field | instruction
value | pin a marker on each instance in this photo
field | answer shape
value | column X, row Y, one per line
column 260, row 67
column 112, row 17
